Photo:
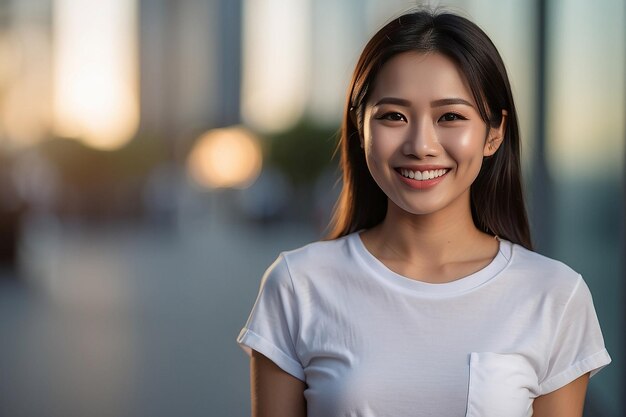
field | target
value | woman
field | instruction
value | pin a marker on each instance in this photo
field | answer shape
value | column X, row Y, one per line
column 427, row 300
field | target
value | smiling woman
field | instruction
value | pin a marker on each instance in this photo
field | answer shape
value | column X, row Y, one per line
column 419, row 112
column 427, row 299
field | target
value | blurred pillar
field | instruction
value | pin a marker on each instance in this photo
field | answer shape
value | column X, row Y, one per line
column 229, row 60
column 153, row 68
column 541, row 196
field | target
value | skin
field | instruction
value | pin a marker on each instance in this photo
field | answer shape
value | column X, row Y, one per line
column 564, row 402
column 427, row 234
column 275, row 393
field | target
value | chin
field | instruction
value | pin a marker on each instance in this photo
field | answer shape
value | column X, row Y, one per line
column 419, row 209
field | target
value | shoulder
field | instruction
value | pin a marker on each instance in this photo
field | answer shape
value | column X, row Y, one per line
column 318, row 254
column 539, row 264
column 544, row 273
column 315, row 259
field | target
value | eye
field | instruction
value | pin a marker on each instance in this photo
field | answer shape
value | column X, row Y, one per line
column 451, row 117
column 392, row 116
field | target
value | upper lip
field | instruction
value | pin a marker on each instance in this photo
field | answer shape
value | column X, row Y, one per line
column 422, row 167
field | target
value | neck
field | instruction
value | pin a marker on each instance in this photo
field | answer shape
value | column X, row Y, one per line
column 447, row 234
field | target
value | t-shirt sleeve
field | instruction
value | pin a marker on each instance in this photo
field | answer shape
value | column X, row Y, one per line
column 272, row 327
column 578, row 345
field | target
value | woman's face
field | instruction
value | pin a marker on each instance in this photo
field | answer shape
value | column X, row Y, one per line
column 423, row 137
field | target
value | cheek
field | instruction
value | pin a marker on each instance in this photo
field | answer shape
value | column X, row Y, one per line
column 465, row 145
column 378, row 144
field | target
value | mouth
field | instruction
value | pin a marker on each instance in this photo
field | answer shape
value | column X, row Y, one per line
column 422, row 175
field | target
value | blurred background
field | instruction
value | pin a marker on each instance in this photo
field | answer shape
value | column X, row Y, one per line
column 157, row 155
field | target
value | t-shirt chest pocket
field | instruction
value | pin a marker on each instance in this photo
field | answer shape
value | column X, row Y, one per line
column 500, row 385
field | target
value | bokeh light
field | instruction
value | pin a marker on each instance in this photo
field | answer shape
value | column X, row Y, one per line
column 276, row 80
column 95, row 71
column 225, row 158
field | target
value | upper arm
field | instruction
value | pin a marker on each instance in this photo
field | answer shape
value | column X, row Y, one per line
column 567, row 401
column 275, row 393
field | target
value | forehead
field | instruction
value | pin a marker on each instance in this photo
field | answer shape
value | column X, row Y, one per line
column 420, row 77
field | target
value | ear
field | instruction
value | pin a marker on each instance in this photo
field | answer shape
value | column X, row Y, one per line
column 495, row 136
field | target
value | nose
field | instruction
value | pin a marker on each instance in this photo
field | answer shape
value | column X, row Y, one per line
column 421, row 141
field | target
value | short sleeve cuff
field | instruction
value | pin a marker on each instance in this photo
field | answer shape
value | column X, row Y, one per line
column 592, row 364
column 249, row 340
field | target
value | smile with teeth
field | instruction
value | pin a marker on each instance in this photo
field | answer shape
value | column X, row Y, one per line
column 422, row 175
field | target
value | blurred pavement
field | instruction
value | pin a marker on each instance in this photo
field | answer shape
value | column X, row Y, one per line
column 132, row 319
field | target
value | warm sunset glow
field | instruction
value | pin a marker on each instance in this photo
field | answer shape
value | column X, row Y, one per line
column 225, row 158
column 275, row 58
column 95, row 71
column 24, row 85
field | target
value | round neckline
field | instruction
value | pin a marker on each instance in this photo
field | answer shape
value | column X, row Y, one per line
column 458, row 286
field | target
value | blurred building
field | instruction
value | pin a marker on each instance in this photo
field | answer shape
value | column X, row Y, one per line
column 190, row 58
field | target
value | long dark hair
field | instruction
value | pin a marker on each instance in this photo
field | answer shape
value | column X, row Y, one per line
column 496, row 195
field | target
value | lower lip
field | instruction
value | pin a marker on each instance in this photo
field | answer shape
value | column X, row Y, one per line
column 421, row 185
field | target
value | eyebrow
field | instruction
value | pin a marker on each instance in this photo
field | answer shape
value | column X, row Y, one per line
column 393, row 100
column 449, row 101
column 436, row 103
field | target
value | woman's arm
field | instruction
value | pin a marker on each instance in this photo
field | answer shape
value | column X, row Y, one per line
column 567, row 401
column 275, row 393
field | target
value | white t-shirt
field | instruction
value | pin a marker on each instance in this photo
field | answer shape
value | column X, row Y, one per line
column 371, row 343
